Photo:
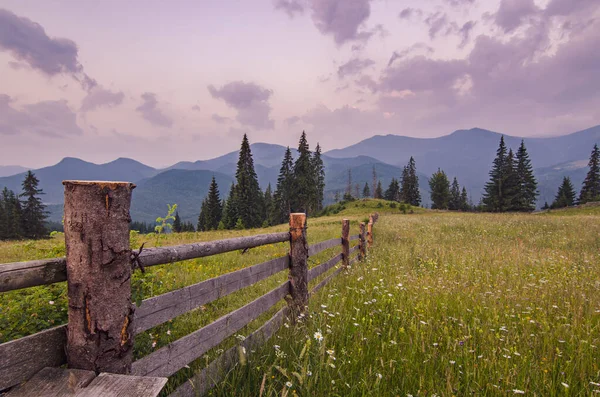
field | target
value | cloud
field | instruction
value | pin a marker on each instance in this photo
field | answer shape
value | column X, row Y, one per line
column 512, row 13
column 415, row 48
column 250, row 101
column 45, row 118
column 292, row 120
column 196, row 108
column 290, row 7
column 407, row 13
column 465, row 33
column 353, row 67
column 28, row 42
column 101, row 97
column 151, row 112
column 341, row 18
column 220, row 119
column 459, row 3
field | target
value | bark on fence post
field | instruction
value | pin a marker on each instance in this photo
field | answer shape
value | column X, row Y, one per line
column 362, row 252
column 345, row 243
column 298, row 275
column 99, row 332
column 370, row 233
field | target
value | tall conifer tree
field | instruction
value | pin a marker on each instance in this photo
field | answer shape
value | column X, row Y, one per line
column 393, row 191
column 214, row 209
column 230, row 210
column 565, row 197
column 248, row 194
column 33, row 210
column 319, row 179
column 177, row 225
column 410, row 184
column 494, row 198
column 527, row 185
column 379, row 190
column 366, row 191
column 590, row 191
column 455, row 202
column 439, row 186
column 304, row 189
column 282, row 199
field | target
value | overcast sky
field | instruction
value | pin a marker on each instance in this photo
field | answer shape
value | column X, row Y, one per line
column 165, row 81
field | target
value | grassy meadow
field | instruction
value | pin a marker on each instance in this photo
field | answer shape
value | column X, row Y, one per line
column 446, row 304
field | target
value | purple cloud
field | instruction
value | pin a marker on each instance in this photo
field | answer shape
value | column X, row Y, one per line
column 151, row 112
column 28, row 42
column 196, row 108
column 341, row 18
column 353, row 67
column 465, row 33
column 220, row 119
column 250, row 101
column 100, row 97
column 407, row 13
column 45, row 118
column 512, row 13
column 290, row 7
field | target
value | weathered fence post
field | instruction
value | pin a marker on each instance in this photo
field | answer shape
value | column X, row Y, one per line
column 99, row 332
column 298, row 265
column 362, row 249
column 345, row 243
column 370, row 232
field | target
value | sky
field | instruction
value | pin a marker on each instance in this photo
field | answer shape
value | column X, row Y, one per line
column 163, row 82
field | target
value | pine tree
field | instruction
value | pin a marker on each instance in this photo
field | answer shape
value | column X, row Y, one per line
column 455, row 197
column 440, row 190
column 497, row 195
column 590, row 190
column 319, row 179
column 374, row 183
column 566, row 196
column 410, row 184
column 366, row 191
column 511, row 187
column 248, row 194
column 526, row 196
column 393, row 191
column 230, row 210
column 203, row 217
column 177, row 226
column 379, row 190
column 545, row 206
column 213, row 208
column 268, row 206
column 33, row 210
column 282, row 199
column 304, row 189
column 464, row 200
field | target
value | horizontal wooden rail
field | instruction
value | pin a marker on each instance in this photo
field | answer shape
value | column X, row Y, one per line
column 355, row 237
column 22, row 358
column 323, row 245
column 326, row 280
column 162, row 308
column 41, row 272
column 322, row 268
column 169, row 359
column 208, row 377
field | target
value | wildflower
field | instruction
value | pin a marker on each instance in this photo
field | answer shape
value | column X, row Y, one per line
column 517, row 391
column 379, row 376
column 309, row 373
column 153, row 344
column 452, row 362
column 318, row 336
column 51, row 302
column 330, row 352
column 594, row 384
column 356, row 324
column 169, row 332
column 564, row 384
column 288, row 384
column 332, row 365
column 323, row 306
column 277, row 347
column 241, row 338
column 332, row 382
column 243, row 350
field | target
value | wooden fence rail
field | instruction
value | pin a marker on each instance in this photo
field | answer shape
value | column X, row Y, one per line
column 87, row 204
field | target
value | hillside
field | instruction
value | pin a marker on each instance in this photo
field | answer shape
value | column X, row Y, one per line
column 8, row 170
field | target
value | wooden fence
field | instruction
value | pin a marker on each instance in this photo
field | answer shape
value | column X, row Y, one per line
column 102, row 321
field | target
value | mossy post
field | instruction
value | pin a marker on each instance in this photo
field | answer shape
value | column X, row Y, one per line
column 99, row 332
column 362, row 251
column 345, row 243
column 298, row 275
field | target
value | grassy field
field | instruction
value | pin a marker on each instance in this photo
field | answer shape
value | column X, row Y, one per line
column 446, row 304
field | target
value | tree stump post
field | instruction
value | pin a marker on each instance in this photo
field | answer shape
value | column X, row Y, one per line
column 370, row 233
column 345, row 243
column 362, row 250
column 99, row 332
column 298, row 275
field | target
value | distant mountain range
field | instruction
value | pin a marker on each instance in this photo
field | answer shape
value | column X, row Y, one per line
column 466, row 154
column 8, row 170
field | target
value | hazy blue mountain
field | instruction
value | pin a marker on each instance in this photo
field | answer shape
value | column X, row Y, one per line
column 550, row 178
column 51, row 178
column 8, row 170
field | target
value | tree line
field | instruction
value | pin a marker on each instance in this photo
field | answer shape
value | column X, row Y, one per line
column 23, row 216
column 300, row 188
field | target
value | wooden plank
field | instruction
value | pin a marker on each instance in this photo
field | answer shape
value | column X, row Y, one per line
column 208, row 377
column 353, row 249
column 355, row 237
column 326, row 280
column 323, row 245
column 47, row 271
column 29, row 274
column 115, row 385
column 345, row 242
column 171, row 358
column 322, row 268
column 54, row 382
column 162, row 308
column 22, row 358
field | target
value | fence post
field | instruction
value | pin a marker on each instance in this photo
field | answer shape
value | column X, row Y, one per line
column 370, row 231
column 362, row 251
column 99, row 332
column 298, row 275
column 345, row 243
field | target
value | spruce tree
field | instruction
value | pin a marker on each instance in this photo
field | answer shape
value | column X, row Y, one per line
column 304, row 189
column 526, row 196
column 393, row 191
column 566, row 196
column 202, row 218
column 248, row 194
column 33, row 210
column 464, row 200
column 410, row 184
column 495, row 197
column 590, row 190
column 379, row 190
column 214, row 209
column 230, row 210
column 319, row 179
column 366, row 191
column 511, row 188
column 177, row 226
column 455, row 197
column 282, row 199
column 439, row 186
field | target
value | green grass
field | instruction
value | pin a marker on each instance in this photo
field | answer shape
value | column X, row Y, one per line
column 446, row 304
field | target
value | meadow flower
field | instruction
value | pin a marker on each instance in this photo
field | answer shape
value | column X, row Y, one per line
column 379, row 376
column 169, row 332
column 318, row 336
column 330, row 352
column 51, row 302
column 517, row 391
column 288, row 384
column 153, row 344
column 564, row 384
